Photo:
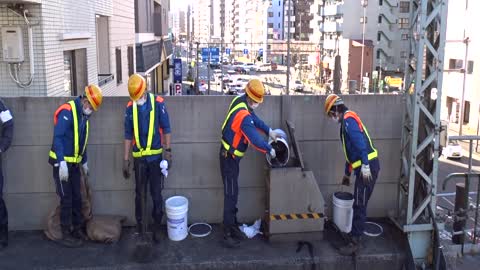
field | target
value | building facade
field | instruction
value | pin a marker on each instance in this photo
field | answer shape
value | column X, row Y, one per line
column 461, row 72
column 72, row 46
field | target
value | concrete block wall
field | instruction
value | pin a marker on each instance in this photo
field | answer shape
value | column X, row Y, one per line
column 196, row 122
column 7, row 86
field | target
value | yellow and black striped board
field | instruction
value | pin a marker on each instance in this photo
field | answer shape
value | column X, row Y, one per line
column 296, row 216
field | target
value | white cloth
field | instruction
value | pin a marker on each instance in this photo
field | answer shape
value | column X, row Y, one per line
column 85, row 168
column 273, row 154
column 164, row 167
column 63, row 171
column 5, row 116
column 251, row 231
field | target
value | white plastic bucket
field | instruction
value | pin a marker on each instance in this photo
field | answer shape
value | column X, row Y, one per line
column 177, row 209
column 343, row 210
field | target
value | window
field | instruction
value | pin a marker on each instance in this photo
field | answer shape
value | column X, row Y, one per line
column 279, row 3
column 278, row 25
column 403, row 23
column 270, row 25
column 455, row 64
column 362, row 19
column 470, row 67
column 380, row 2
column 270, row 14
column 103, row 46
column 379, row 36
column 378, row 54
column 405, row 36
column 403, row 54
column 75, row 71
column 404, row 7
column 270, row 36
column 279, row 14
column 379, row 19
column 130, row 61
column 118, row 62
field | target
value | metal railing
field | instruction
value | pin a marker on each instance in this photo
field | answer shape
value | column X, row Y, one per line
column 462, row 208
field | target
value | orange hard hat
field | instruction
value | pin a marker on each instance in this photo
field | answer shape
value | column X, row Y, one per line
column 136, row 86
column 332, row 100
column 255, row 90
column 94, row 95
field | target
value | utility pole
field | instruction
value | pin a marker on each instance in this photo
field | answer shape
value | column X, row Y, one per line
column 197, row 81
column 288, row 46
column 462, row 104
column 208, row 65
column 364, row 5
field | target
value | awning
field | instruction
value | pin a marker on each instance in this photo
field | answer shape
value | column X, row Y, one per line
column 148, row 55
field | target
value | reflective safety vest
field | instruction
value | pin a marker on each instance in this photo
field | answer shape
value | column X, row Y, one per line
column 231, row 110
column 76, row 158
column 145, row 151
column 374, row 154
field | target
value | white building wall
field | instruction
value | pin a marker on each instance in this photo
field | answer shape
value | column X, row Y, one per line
column 7, row 86
column 122, row 35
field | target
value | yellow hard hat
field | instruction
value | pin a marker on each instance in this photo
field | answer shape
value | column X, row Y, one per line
column 255, row 90
column 332, row 100
column 94, row 95
column 136, row 86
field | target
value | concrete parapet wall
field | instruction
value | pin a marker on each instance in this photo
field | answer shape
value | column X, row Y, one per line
column 196, row 121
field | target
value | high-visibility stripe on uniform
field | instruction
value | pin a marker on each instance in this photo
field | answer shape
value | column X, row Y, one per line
column 237, row 124
column 363, row 128
column 147, row 151
column 76, row 158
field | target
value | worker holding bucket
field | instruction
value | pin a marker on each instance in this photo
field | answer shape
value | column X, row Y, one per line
column 361, row 159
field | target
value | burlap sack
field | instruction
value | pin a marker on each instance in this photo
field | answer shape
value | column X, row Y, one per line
column 105, row 229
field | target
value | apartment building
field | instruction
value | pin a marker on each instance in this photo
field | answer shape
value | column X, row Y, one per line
column 383, row 24
column 461, row 72
column 153, row 46
column 71, row 46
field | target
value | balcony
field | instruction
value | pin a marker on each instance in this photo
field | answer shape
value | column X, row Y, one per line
column 332, row 10
column 21, row 2
column 148, row 55
column 331, row 27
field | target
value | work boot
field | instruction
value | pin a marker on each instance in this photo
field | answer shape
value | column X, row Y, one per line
column 68, row 240
column 79, row 233
column 348, row 250
column 237, row 233
column 3, row 236
column 157, row 233
column 228, row 240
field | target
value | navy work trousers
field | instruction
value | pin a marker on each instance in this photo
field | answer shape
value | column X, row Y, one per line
column 361, row 196
column 70, row 196
column 3, row 208
column 229, row 167
column 148, row 173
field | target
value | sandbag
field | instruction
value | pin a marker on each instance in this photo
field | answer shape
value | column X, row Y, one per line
column 105, row 228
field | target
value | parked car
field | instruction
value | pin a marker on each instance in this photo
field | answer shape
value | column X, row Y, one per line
column 453, row 150
column 231, row 71
column 240, row 70
column 298, row 86
column 250, row 66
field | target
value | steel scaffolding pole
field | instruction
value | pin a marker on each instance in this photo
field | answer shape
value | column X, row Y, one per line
column 421, row 126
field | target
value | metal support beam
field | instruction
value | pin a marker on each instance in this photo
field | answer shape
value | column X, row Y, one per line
column 421, row 127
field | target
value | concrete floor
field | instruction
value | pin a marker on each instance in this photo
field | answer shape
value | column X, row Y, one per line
column 31, row 250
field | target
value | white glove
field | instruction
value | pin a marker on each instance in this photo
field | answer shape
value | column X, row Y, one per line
column 63, row 171
column 273, row 155
column 366, row 173
column 273, row 135
column 85, row 168
column 164, row 167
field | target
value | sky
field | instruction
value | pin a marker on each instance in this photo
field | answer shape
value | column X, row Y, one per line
column 183, row 4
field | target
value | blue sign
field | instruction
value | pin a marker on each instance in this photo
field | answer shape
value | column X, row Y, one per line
column 227, row 51
column 177, row 70
column 260, row 51
column 214, row 55
column 245, row 51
